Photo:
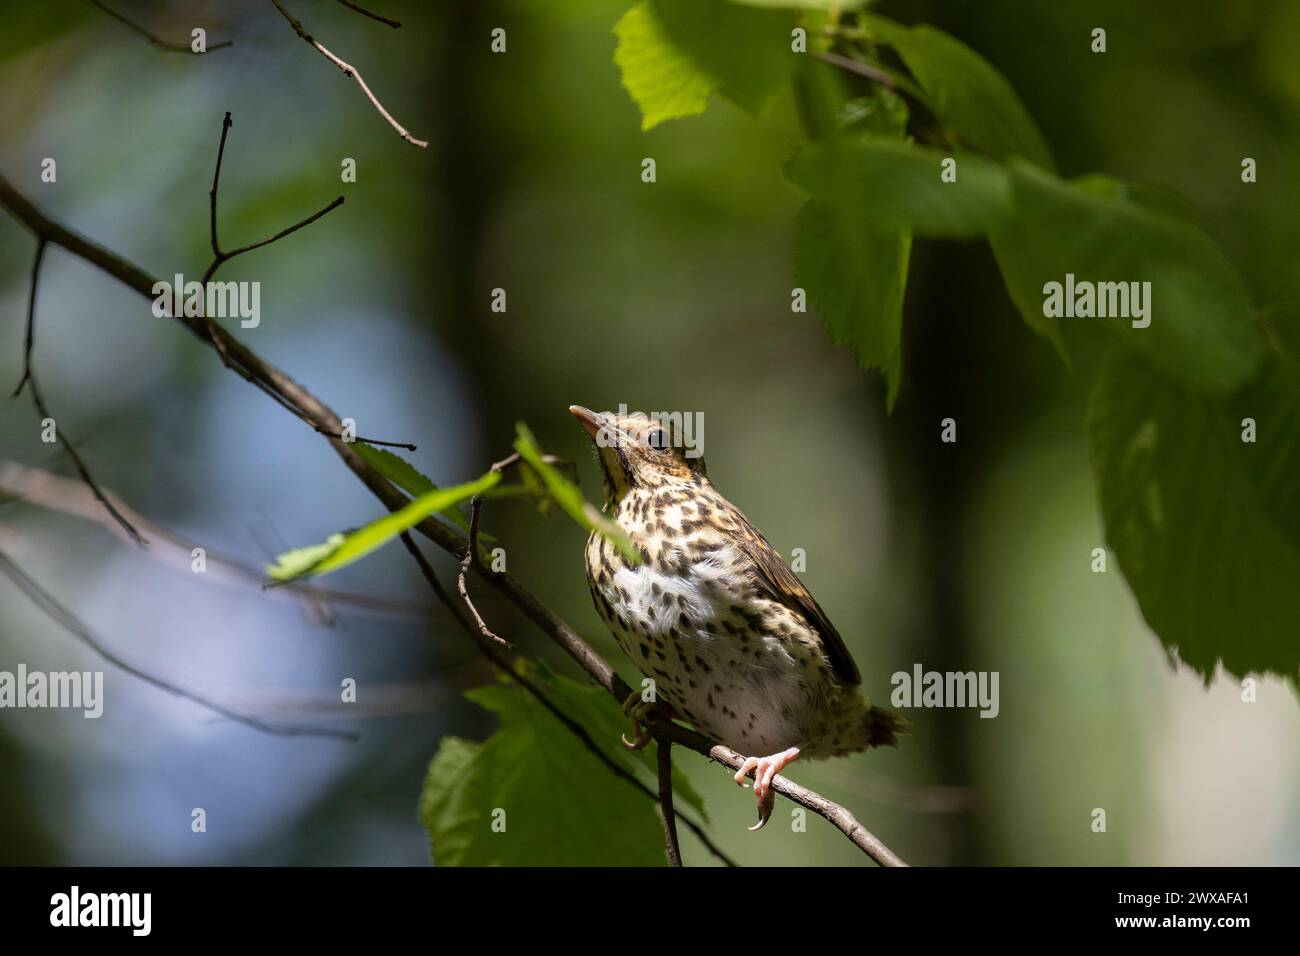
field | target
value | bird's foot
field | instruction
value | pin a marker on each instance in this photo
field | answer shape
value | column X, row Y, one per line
column 641, row 712
column 764, row 769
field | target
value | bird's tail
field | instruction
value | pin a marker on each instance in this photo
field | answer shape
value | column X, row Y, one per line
column 883, row 727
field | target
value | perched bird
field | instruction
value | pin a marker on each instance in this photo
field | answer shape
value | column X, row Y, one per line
column 733, row 641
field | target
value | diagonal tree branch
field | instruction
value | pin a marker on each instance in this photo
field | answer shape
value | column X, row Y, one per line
column 38, row 399
column 369, row 13
column 323, row 419
column 349, row 71
column 69, row 622
column 29, row 330
column 156, row 40
column 56, row 493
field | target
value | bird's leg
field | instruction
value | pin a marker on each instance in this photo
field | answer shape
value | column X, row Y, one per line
column 640, row 710
column 765, row 768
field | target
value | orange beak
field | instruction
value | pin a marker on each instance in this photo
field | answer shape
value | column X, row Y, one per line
column 590, row 420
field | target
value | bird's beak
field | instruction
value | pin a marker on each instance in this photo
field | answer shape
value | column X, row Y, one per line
column 590, row 420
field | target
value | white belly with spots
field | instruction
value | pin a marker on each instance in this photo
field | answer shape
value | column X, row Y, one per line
column 717, row 669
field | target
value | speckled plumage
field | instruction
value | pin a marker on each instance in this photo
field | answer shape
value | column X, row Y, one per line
column 734, row 642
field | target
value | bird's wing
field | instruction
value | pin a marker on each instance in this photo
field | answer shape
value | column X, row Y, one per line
column 774, row 575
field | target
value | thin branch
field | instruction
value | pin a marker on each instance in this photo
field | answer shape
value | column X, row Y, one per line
column 664, row 747
column 471, row 556
column 47, row 490
column 472, row 551
column 38, row 399
column 156, row 40
column 368, row 13
column 933, row 135
column 227, row 256
column 219, row 258
column 462, row 588
column 858, row 67
column 69, row 622
column 226, row 123
column 321, row 416
column 29, row 331
column 349, row 71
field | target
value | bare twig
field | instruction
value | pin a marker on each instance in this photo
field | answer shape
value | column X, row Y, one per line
column 664, row 756
column 226, row 123
column 47, row 490
column 368, row 13
column 69, row 622
column 350, row 71
column 38, row 399
column 219, row 258
column 30, row 328
column 156, row 40
column 471, row 555
column 858, row 67
column 322, row 417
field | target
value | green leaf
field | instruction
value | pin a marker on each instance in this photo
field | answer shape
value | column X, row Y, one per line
column 900, row 185
column 673, row 54
column 407, row 477
column 1281, row 324
column 882, row 112
column 395, row 468
column 569, row 497
column 342, row 549
column 1272, row 402
column 964, row 90
column 597, row 712
column 855, row 274
column 1214, row 562
column 662, row 80
column 1158, row 199
column 746, row 51
column 294, row 563
column 560, row 806
column 1201, row 333
column 803, row 4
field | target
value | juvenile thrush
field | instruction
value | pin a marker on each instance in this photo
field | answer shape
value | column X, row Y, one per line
column 733, row 641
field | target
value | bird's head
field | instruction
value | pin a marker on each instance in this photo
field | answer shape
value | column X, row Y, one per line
column 641, row 451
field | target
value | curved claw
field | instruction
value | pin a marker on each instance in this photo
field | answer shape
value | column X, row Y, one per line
column 765, row 770
column 749, row 764
column 639, row 710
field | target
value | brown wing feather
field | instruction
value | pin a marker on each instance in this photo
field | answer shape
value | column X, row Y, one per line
column 775, row 576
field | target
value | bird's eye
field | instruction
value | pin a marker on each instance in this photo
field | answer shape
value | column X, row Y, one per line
column 657, row 439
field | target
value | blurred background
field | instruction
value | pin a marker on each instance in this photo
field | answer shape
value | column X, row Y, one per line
column 676, row 295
